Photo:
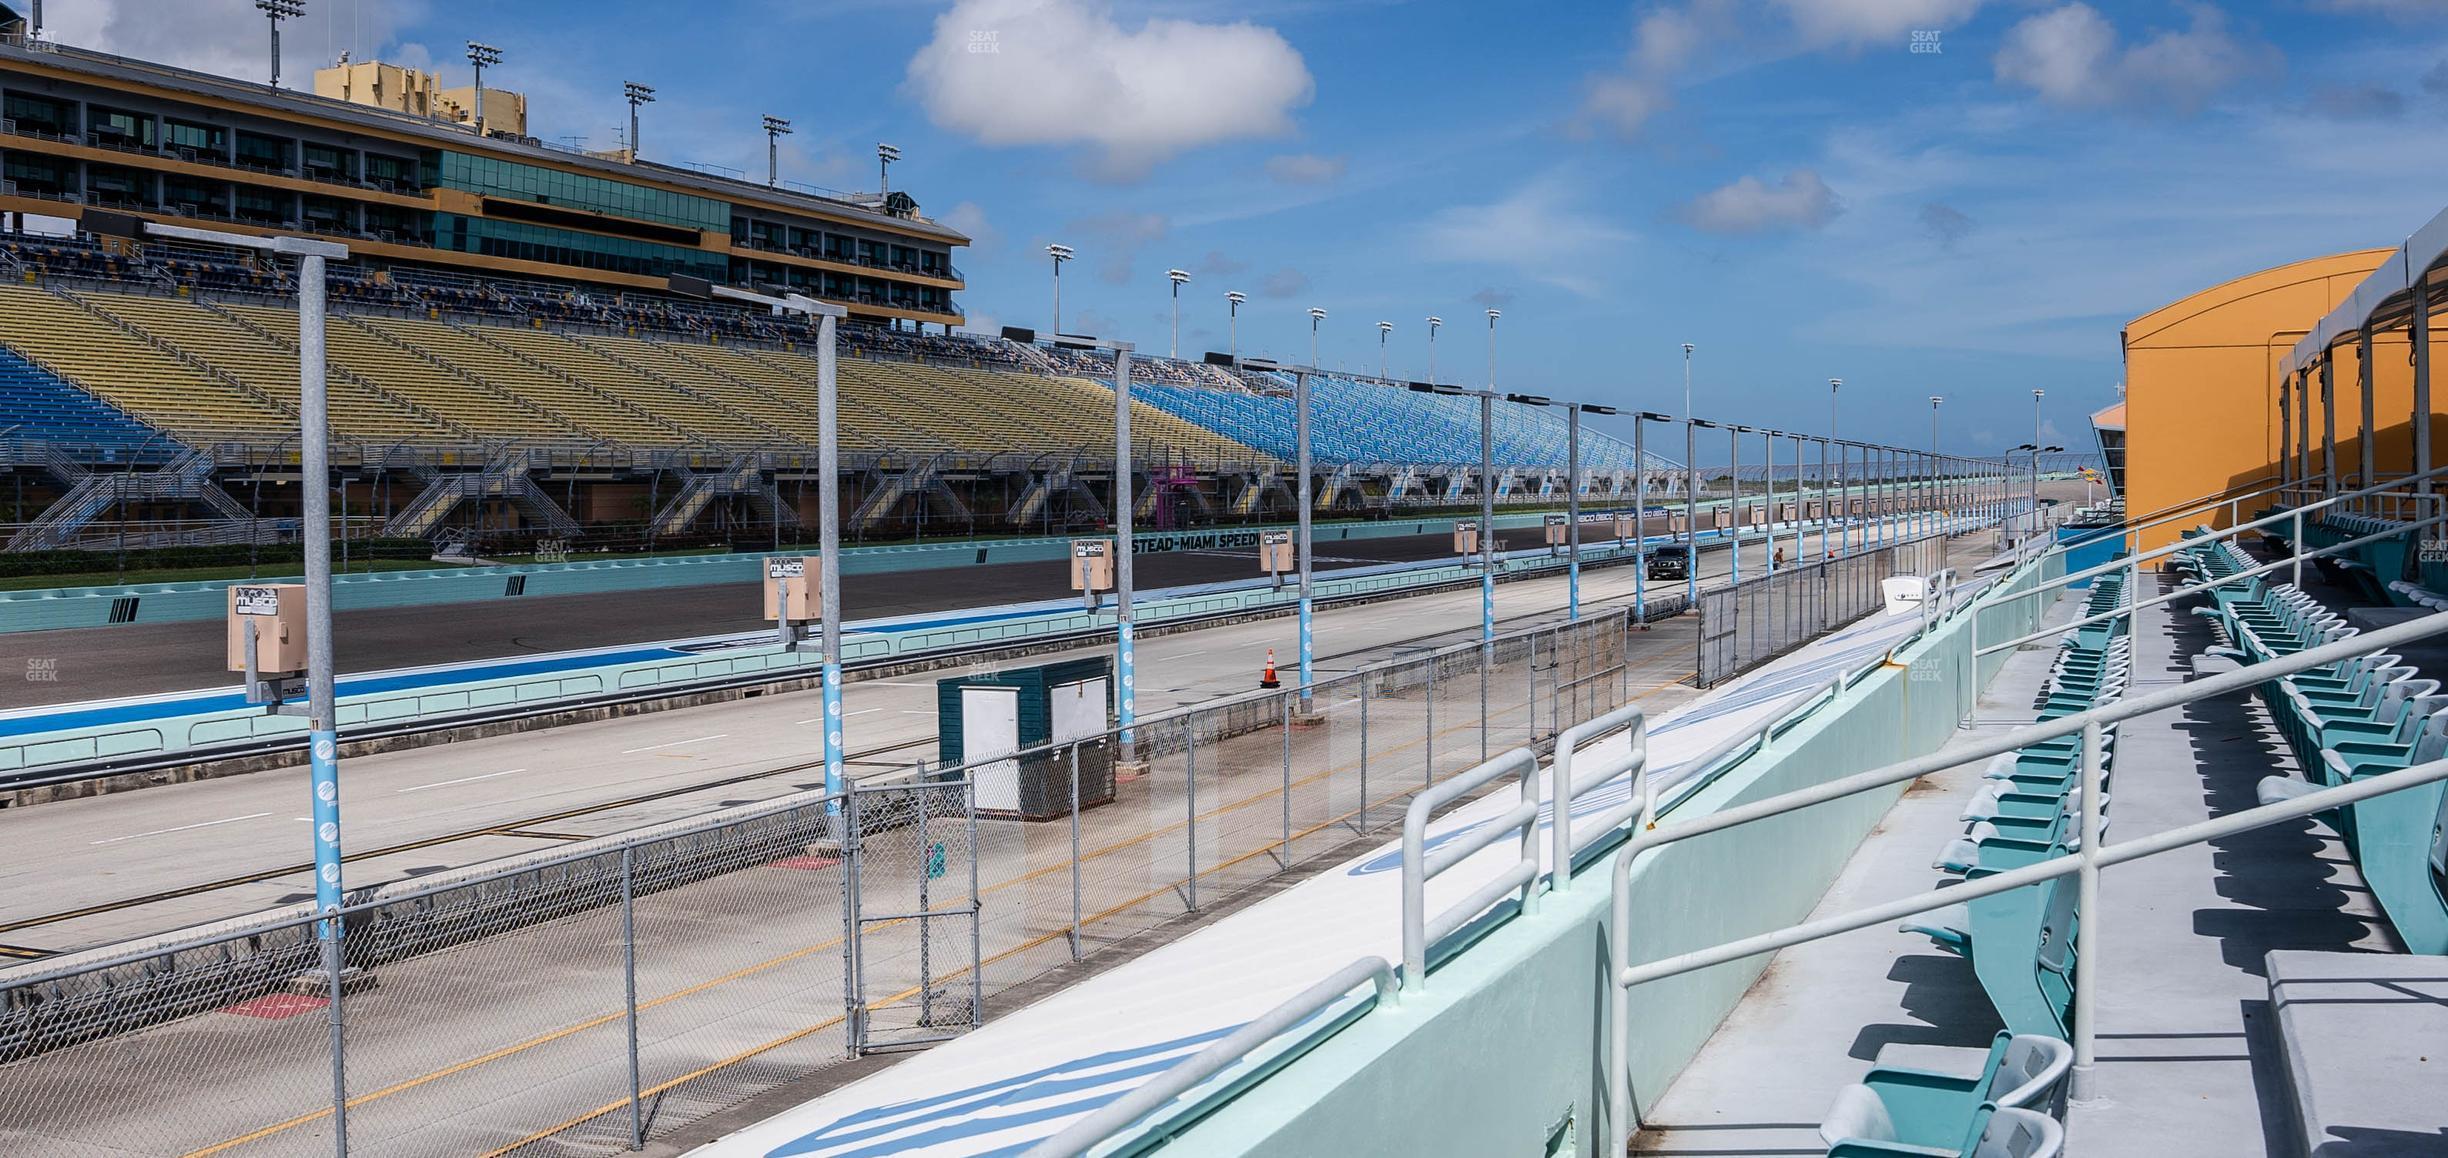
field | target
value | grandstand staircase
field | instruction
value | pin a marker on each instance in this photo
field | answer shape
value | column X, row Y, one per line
column 1044, row 484
column 1029, row 353
column 504, row 478
column 744, row 477
column 1335, row 486
column 1255, row 487
column 921, row 483
column 186, row 478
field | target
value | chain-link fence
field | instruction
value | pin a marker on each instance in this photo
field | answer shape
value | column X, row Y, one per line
column 1746, row 624
column 596, row 999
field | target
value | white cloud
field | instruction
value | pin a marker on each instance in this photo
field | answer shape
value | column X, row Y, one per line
column 1860, row 22
column 1624, row 101
column 1064, row 72
column 1799, row 200
column 1307, row 168
column 970, row 218
column 2073, row 56
column 229, row 37
column 1540, row 231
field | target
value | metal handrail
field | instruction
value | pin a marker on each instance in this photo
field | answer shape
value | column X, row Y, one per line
column 1117, row 1115
column 2134, row 564
column 1619, row 1092
column 2296, row 514
column 1419, row 931
column 1564, row 786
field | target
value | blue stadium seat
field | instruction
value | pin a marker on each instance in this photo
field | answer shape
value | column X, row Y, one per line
column 43, row 407
column 1919, row 1107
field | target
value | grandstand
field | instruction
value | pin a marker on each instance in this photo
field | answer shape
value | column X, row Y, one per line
column 526, row 381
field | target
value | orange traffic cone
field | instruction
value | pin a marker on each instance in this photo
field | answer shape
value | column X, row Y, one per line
column 1267, row 678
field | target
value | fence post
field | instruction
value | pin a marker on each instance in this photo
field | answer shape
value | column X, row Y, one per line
column 853, row 979
column 2086, row 928
column 628, row 900
column 1364, row 752
column 1487, row 659
column 977, row 904
column 1190, row 796
column 335, row 958
column 1284, row 861
column 1075, row 851
column 1428, row 742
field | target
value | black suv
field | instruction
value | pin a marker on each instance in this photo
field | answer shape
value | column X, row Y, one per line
column 1671, row 562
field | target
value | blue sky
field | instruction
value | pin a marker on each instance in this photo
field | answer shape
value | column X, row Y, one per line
column 1787, row 184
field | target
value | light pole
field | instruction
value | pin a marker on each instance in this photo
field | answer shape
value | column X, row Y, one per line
column 775, row 129
column 1316, row 315
column 1487, row 506
column 2034, row 508
column 1384, row 330
column 481, row 55
column 1060, row 254
column 276, row 11
column 1687, row 355
column 1691, row 511
column 1768, row 499
column 1640, row 514
column 1572, row 493
column 1492, row 315
column 1301, row 541
column 1734, row 499
column 636, row 94
column 322, row 724
column 1935, row 484
column 1177, row 277
column 885, row 156
column 1232, row 306
column 1433, row 322
column 1126, row 677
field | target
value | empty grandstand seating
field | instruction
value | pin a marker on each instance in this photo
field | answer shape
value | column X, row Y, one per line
column 486, row 413
column 597, row 414
column 704, row 419
column 2353, row 720
column 1360, row 422
column 270, row 367
column 36, row 404
column 2021, row 943
column 131, row 374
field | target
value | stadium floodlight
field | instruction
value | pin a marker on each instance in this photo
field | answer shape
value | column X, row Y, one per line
column 1060, row 254
column 775, row 129
column 1177, row 277
column 2038, row 433
column 1433, row 322
column 1687, row 355
column 1232, row 306
column 1530, row 399
column 1316, row 315
column 1492, row 315
column 1384, row 330
column 885, row 156
column 636, row 94
column 480, row 55
column 277, row 11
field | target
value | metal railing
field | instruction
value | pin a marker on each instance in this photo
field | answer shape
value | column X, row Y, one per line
column 1421, row 864
column 1566, row 784
column 1623, row 975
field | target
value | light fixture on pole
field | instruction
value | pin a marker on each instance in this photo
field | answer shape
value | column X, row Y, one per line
column 276, row 11
column 775, row 129
column 1687, row 356
column 1384, row 331
column 1232, row 307
column 481, row 55
column 1060, row 254
column 1304, row 502
column 1691, row 510
column 1433, row 323
column 1492, row 315
column 885, row 156
column 1316, row 315
column 636, row 94
column 1177, row 277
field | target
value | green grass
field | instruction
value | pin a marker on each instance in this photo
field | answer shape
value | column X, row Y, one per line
column 269, row 572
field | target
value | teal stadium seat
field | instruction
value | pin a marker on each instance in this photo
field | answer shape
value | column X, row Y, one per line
column 1926, row 1108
